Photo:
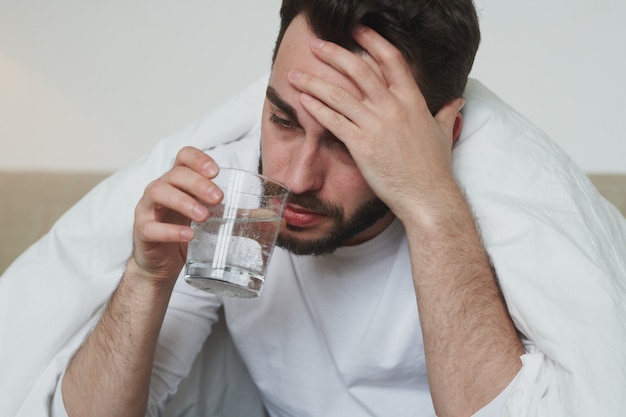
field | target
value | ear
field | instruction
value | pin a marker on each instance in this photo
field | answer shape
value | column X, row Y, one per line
column 458, row 124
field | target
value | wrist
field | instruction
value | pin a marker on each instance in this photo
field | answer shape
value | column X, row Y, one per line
column 437, row 215
column 144, row 283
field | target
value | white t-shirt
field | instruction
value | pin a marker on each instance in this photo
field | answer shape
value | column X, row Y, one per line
column 337, row 335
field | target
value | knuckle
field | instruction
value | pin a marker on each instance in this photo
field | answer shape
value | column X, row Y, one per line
column 183, row 202
column 142, row 231
column 186, row 150
column 338, row 95
column 181, row 153
column 152, row 188
column 362, row 69
column 394, row 56
column 185, row 155
column 335, row 119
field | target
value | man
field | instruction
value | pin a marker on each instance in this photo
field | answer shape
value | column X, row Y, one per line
column 400, row 311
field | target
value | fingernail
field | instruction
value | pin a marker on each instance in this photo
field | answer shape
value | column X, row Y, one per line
column 200, row 212
column 215, row 193
column 210, row 169
column 306, row 97
column 186, row 233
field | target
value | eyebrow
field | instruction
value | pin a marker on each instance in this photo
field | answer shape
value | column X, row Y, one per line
column 278, row 102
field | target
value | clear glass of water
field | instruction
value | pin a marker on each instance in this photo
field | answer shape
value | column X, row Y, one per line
column 230, row 251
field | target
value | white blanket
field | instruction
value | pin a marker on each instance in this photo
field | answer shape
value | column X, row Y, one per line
column 558, row 247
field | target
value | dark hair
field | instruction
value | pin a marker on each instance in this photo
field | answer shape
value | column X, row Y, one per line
column 438, row 38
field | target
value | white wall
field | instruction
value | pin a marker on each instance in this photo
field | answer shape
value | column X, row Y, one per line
column 93, row 85
column 562, row 63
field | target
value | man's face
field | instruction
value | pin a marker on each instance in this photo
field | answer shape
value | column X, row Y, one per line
column 331, row 204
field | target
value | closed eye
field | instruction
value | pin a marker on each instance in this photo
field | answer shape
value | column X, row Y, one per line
column 283, row 123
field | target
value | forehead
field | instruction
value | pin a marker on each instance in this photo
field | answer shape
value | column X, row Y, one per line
column 294, row 52
column 295, row 43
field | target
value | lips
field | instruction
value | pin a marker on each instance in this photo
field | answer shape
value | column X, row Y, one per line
column 297, row 216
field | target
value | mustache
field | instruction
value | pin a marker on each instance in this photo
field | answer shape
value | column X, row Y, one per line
column 308, row 201
column 312, row 202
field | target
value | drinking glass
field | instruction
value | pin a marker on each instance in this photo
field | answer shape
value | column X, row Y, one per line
column 230, row 251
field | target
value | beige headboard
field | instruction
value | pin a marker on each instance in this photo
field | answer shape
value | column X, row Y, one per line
column 32, row 201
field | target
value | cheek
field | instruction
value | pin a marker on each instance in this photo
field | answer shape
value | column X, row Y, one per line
column 349, row 188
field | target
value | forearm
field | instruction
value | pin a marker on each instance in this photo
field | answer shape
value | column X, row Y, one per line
column 471, row 346
column 110, row 373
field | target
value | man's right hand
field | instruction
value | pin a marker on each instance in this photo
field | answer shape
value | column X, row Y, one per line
column 162, row 217
column 110, row 373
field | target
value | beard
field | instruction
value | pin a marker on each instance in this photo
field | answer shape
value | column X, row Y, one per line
column 365, row 216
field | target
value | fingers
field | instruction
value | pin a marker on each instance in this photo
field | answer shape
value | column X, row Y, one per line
column 169, row 203
column 343, row 104
column 395, row 68
column 376, row 73
column 381, row 69
column 366, row 79
column 197, row 160
column 378, row 78
column 164, row 212
column 153, row 231
column 192, row 173
column 340, row 112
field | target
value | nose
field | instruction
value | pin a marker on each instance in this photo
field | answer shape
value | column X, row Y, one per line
column 307, row 167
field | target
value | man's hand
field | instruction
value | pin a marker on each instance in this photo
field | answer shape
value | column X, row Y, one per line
column 110, row 373
column 402, row 151
column 162, row 216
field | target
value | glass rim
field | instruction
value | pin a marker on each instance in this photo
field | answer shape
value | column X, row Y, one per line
column 265, row 178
